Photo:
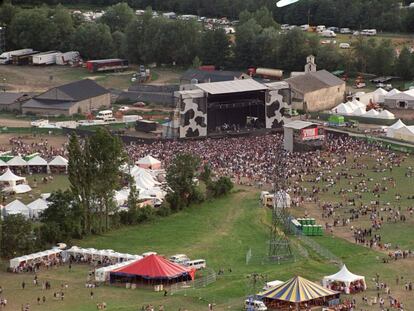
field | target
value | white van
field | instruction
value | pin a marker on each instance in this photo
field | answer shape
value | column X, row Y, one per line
column 105, row 115
column 179, row 258
column 369, row 32
column 320, row 28
column 197, row 264
column 257, row 305
column 328, row 34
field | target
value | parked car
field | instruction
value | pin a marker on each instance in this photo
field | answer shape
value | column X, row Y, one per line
column 124, row 108
column 139, row 104
column 345, row 31
column 344, row 46
column 255, row 305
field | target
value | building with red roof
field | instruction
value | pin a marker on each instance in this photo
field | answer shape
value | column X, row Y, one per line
column 152, row 270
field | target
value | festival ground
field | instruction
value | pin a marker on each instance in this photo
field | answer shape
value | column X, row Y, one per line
column 221, row 232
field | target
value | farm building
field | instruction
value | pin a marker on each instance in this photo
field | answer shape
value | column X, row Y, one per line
column 77, row 97
column 316, row 91
column 13, row 101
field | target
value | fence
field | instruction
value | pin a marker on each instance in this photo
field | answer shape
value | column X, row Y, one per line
column 320, row 250
column 208, row 279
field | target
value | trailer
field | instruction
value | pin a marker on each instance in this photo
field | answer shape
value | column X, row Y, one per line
column 266, row 73
column 6, row 57
column 23, row 59
column 102, row 65
column 45, row 58
column 70, row 57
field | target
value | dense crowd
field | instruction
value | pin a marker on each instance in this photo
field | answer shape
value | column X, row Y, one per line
column 21, row 146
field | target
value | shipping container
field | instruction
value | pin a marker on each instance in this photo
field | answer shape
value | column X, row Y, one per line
column 102, row 65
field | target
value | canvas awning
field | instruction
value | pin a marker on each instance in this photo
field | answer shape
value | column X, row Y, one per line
column 9, row 176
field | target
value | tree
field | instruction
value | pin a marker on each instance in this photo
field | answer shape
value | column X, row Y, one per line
column 293, row 50
column 221, row 187
column 404, row 63
column 65, row 27
column 196, row 62
column 33, row 28
column 61, row 221
column 80, row 178
column 118, row 17
column 214, row 48
column 17, row 236
column 246, row 43
column 90, row 36
column 7, row 13
column 106, row 157
column 180, row 179
column 119, row 43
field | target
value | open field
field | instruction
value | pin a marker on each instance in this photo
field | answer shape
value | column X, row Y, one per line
column 39, row 79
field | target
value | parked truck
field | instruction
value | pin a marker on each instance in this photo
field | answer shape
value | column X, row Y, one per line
column 23, row 59
column 101, row 65
column 67, row 58
column 45, row 58
column 7, row 57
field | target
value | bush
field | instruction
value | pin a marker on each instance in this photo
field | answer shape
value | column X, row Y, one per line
column 221, row 187
column 164, row 210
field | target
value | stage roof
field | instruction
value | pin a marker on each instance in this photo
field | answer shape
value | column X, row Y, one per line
column 236, row 86
column 298, row 124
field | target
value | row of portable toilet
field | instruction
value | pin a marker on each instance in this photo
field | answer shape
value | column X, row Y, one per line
column 306, row 221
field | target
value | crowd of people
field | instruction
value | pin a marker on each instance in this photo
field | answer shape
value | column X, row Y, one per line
column 41, row 145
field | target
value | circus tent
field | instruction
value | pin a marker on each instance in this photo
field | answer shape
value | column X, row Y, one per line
column 152, row 270
column 296, row 293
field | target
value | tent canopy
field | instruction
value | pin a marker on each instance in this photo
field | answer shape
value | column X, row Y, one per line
column 297, row 290
column 38, row 205
column 371, row 114
column 17, row 161
column 17, row 207
column 385, row 114
column 344, row 275
column 397, row 125
column 37, row 160
column 9, row 176
column 58, row 161
column 342, row 109
column 2, row 163
column 153, row 267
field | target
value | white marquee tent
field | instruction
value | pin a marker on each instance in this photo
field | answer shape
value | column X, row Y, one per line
column 379, row 95
column 149, row 162
column 385, row 114
column 59, row 161
column 359, row 112
column 344, row 276
column 2, row 163
column 37, row 207
column 102, row 274
column 17, row 161
column 393, row 92
column 37, row 161
column 16, row 207
column 371, row 114
column 16, row 262
column 342, row 109
column 14, row 183
column 397, row 125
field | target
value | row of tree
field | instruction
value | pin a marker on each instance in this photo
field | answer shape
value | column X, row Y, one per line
column 384, row 15
column 258, row 41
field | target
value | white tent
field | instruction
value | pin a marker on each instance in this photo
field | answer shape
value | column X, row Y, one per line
column 37, row 161
column 2, row 163
column 342, row 109
column 393, row 92
column 149, row 162
column 359, row 111
column 371, row 114
column 16, row 207
column 352, row 105
column 379, row 95
column 346, row 277
column 385, row 114
column 396, row 126
column 17, row 161
column 59, row 161
column 121, row 196
column 405, row 133
column 358, row 103
column 10, row 177
column 22, row 188
column 37, row 207
column 15, row 262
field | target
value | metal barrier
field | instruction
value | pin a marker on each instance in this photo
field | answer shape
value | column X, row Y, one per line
column 322, row 251
column 210, row 278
